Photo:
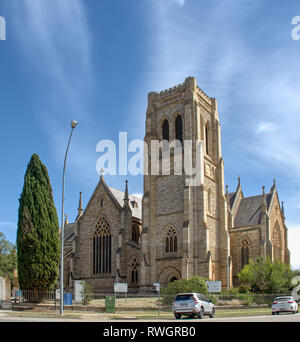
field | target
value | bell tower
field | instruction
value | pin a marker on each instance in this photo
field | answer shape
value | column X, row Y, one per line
column 185, row 229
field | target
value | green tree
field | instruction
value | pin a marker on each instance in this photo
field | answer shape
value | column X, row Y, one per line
column 265, row 276
column 8, row 257
column 194, row 284
column 38, row 243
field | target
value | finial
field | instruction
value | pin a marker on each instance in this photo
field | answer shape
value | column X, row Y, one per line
column 80, row 209
column 126, row 189
column 227, row 194
column 126, row 196
column 264, row 200
column 101, row 173
column 66, row 219
column 274, row 182
column 239, row 181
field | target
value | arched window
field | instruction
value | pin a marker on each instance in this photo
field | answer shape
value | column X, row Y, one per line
column 134, row 271
column 276, row 242
column 102, row 247
column 207, row 138
column 171, row 240
column 135, row 233
column 165, row 130
column 245, row 252
column 178, row 128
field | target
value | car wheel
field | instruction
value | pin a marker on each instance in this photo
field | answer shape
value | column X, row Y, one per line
column 200, row 313
column 177, row 316
column 212, row 314
column 273, row 313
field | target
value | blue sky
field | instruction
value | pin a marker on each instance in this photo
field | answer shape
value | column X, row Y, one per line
column 95, row 62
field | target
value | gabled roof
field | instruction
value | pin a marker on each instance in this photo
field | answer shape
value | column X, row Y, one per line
column 135, row 204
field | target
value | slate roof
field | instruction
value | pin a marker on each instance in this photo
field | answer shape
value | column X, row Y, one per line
column 136, row 209
column 231, row 198
column 249, row 211
column 69, row 231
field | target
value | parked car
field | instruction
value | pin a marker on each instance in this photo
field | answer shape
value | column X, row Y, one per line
column 192, row 304
column 284, row 304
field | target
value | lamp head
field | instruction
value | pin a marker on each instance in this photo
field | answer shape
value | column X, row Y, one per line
column 74, row 124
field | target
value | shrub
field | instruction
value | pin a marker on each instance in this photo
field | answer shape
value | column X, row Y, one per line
column 87, row 293
column 265, row 276
column 244, row 288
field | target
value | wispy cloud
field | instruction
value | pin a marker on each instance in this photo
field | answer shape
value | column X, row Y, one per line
column 180, row 2
column 265, row 127
column 192, row 45
column 258, row 99
column 56, row 40
column 8, row 225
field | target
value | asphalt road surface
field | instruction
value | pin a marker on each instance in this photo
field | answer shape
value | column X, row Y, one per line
column 284, row 317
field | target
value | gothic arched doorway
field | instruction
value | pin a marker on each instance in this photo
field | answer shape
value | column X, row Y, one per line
column 172, row 279
column 169, row 274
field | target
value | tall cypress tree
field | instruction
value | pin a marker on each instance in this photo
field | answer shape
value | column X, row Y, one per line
column 38, row 242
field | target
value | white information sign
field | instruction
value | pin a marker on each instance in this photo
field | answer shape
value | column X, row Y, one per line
column 78, row 291
column 120, row 287
column 57, row 294
column 214, row 286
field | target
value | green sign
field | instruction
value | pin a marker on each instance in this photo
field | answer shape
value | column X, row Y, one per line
column 110, row 304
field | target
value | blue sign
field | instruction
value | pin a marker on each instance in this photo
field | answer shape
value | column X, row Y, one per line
column 18, row 293
column 68, row 298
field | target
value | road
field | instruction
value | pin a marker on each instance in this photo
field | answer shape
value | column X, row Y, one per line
column 13, row 317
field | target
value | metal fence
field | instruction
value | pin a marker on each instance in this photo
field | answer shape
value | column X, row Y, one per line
column 32, row 296
column 87, row 297
column 139, row 301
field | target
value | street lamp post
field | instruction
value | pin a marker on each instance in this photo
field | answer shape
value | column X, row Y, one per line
column 61, row 277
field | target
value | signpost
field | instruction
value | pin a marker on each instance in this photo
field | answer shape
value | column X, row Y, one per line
column 120, row 287
column 214, row 286
column 157, row 289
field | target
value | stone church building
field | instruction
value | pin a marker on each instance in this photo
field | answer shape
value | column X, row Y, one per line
column 177, row 230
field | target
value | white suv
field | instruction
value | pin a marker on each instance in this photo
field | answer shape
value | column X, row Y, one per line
column 192, row 304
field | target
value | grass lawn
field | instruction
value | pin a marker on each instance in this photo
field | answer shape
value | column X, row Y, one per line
column 169, row 314
column 140, row 314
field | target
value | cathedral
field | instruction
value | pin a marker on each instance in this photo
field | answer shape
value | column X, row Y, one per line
column 176, row 230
